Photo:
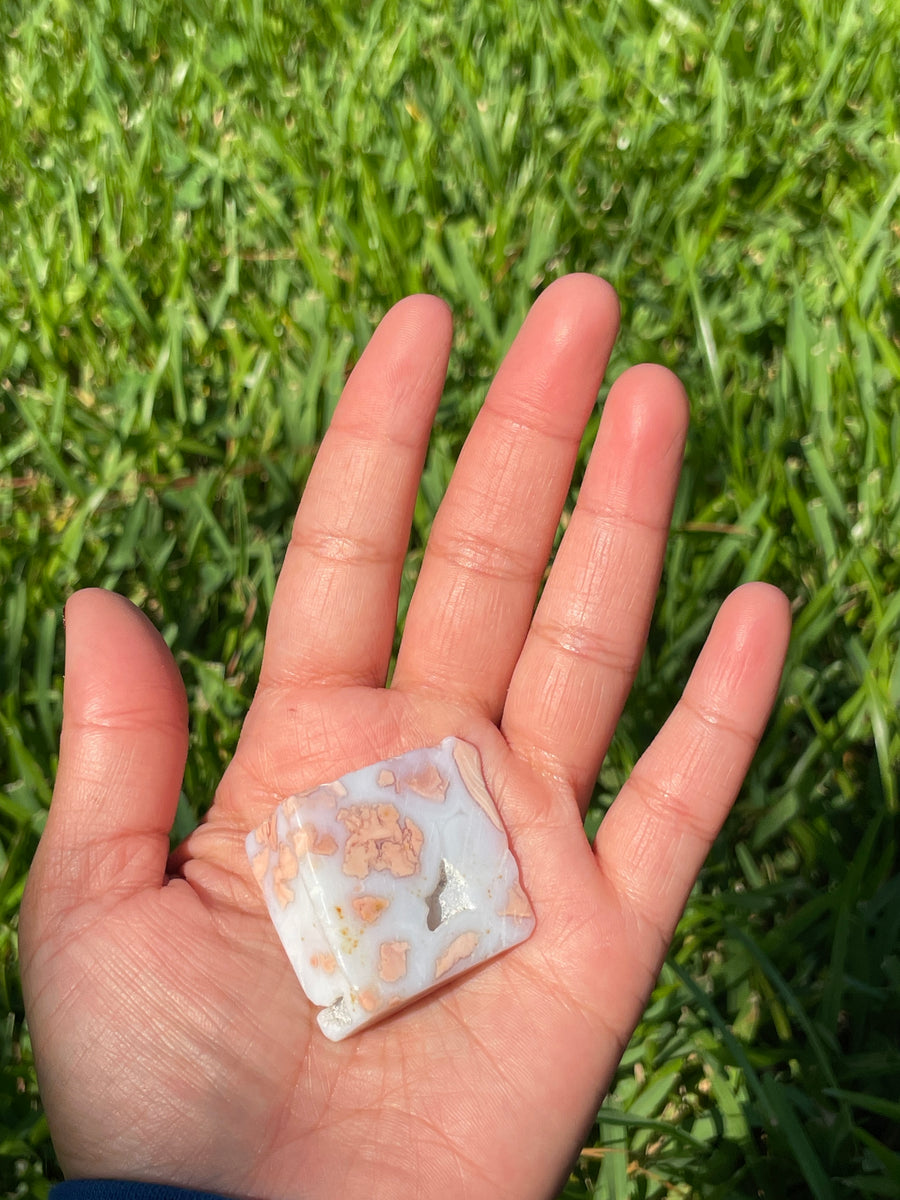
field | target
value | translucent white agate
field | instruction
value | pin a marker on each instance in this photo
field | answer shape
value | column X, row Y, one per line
column 389, row 882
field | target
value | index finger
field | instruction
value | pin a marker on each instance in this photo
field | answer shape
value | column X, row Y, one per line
column 335, row 607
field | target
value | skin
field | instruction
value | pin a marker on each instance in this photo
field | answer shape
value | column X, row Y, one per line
column 173, row 1042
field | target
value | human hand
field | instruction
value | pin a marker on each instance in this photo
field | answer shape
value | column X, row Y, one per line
column 173, row 1042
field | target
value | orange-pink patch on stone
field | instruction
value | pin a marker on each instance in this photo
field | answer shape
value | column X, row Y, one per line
column 460, row 948
column 260, row 864
column 427, row 782
column 386, row 778
column 369, row 908
column 307, row 840
column 300, row 840
column 402, row 858
column 368, row 998
column 324, row 794
column 324, row 844
column 517, row 904
column 392, row 960
column 267, row 833
column 378, row 842
column 285, row 870
column 324, row 962
column 466, row 758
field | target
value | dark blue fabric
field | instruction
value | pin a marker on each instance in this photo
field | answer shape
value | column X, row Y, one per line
column 124, row 1189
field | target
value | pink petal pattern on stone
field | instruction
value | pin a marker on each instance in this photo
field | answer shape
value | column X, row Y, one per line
column 389, row 882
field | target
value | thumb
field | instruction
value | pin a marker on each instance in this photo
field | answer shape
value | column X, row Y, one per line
column 122, row 753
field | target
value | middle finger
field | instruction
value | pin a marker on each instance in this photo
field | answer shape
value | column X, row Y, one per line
column 494, row 531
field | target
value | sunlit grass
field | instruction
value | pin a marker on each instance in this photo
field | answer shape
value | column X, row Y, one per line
column 203, row 210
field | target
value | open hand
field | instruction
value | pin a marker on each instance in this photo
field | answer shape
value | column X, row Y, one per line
column 173, row 1042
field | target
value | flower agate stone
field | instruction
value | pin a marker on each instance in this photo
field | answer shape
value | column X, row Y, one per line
column 389, row 882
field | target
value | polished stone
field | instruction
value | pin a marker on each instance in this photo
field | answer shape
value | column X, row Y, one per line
column 389, row 882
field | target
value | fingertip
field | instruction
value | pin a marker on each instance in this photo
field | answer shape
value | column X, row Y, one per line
column 581, row 298
column 559, row 356
column 110, row 643
column 404, row 364
column 647, row 406
column 746, row 648
column 649, row 383
column 757, row 611
column 81, row 602
column 584, row 284
column 96, row 605
column 87, row 603
column 764, row 596
column 637, row 456
column 419, row 313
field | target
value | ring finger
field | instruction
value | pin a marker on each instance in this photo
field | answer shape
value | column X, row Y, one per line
column 588, row 633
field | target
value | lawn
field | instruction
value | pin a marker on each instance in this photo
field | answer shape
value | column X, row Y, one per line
column 205, row 207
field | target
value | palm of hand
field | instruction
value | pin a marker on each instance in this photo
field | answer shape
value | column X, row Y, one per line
column 173, row 1042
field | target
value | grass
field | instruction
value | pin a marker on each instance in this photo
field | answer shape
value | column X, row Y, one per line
column 204, row 207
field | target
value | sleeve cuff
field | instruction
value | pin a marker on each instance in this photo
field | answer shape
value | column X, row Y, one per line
column 124, row 1189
